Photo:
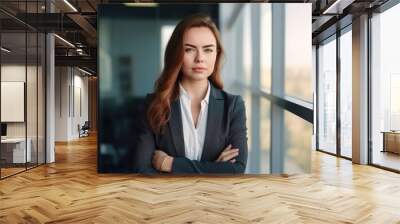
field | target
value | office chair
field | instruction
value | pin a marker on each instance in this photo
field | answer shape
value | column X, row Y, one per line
column 84, row 130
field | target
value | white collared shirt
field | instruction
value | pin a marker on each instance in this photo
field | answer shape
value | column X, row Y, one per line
column 193, row 137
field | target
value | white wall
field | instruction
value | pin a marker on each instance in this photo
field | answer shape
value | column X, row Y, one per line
column 12, row 73
column 61, row 103
column 33, row 126
column 71, row 87
column 79, row 117
column 17, row 73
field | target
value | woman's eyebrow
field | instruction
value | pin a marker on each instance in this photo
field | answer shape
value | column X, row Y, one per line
column 205, row 46
column 210, row 45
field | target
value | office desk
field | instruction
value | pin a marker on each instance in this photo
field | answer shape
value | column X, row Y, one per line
column 13, row 150
column 391, row 141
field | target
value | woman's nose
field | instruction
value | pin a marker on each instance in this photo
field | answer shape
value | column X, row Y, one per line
column 199, row 57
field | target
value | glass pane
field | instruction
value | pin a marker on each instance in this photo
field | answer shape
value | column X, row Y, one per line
column 13, row 87
column 31, row 101
column 258, row 113
column 314, row 71
column 247, row 53
column 346, row 94
column 265, row 135
column 298, row 73
column 8, row 24
column 31, row 87
column 253, row 152
column 247, row 100
column 42, row 6
column 127, row 76
column 386, row 89
column 265, row 42
column 41, row 99
column 327, row 97
column 32, row 7
column 297, row 144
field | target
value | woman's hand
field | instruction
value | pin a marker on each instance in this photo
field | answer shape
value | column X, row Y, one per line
column 162, row 161
column 228, row 154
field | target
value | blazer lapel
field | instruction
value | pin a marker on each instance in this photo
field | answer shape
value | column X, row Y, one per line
column 176, row 129
column 214, row 118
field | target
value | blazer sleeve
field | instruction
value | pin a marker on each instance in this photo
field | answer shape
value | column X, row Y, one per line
column 238, row 139
column 145, row 145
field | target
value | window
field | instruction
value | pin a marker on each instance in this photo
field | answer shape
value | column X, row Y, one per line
column 298, row 74
column 327, row 96
column 385, row 85
column 346, row 93
column 22, row 64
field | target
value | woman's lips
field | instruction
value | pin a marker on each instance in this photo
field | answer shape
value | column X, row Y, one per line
column 198, row 69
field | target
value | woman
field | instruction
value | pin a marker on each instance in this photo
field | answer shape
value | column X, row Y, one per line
column 192, row 125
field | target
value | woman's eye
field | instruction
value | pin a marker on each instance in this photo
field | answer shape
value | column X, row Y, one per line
column 208, row 50
column 188, row 49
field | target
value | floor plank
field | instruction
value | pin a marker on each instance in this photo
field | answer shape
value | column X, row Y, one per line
column 71, row 191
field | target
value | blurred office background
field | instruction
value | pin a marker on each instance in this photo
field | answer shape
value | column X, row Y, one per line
column 275, row 82
column 320, row 75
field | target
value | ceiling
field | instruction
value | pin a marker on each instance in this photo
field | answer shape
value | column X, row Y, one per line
column 76, row 22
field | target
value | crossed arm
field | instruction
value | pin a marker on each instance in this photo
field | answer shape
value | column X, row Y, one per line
column 231, row 160
column 224, row 164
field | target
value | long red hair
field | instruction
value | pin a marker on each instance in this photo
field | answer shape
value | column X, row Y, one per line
column 166, row 88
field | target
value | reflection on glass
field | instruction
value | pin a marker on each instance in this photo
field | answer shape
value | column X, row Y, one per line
column 41, row 99
column 265, row 135
column 385, row 87
column 327, row 97
column 298, row 74
column 32, row 91
column 297, row 144
column 22, row 92
column 14, row 150
column 252, row 140
column 247, row 52
column 394, row 101
column 247, row 101
column 265, row 46
column 314, row 71
column 123, row 62
column 346, row 94
column 259, row 152
column 31, row 101
column 129, row 68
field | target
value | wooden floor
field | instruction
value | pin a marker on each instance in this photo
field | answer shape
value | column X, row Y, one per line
column 71, row 191
column 5, row 172
column 10, row 171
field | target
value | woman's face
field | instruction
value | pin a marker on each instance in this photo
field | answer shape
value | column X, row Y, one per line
column 200, row 53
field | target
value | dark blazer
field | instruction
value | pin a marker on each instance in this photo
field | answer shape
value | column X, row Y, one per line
column 226, row 124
